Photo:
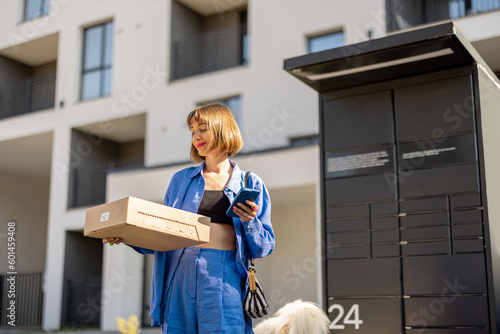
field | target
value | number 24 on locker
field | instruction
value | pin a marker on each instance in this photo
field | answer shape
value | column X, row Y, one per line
column 351, row 318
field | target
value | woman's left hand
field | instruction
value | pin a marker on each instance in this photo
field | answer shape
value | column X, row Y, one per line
column 246, row 212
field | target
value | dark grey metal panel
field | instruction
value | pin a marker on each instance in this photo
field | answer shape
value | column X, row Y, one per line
column 425, row 233
column 344, row 212
column 465, row 201
column 448, row 331
column 426, row 248
column 439, row 181
column 447, row 109
column 452, row 311
column 363, row 120
column 467, row 216
column 446, row 274
column 383, row 209
column 348, row 278
column 373, row 160
column 348, row 225
column 428, row 219
column 437, row 152
column 343, row 239
column 340, row 253
column 385, row 250
column 468, row 246
column 385, row 236
column 385, row 223
column 377, row 315
column 467, row 230
column 360, row 189
column 424, row 205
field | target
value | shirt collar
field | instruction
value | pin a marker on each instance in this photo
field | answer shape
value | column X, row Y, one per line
column 197, row 170
column 234, row 183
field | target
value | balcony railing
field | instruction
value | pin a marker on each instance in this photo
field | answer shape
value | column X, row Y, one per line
column 87, row 186
column 28, row 300
column 28, row 95
column 209, row 51
column 124, row 164
column 405, row 14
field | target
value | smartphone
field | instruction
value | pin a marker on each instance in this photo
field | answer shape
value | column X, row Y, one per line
column 243, row 195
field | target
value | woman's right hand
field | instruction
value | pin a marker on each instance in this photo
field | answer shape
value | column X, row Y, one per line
column 112, row 241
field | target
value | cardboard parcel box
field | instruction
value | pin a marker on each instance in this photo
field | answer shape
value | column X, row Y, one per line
column 147, row 224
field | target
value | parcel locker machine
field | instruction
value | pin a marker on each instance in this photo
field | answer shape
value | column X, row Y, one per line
column 410, row 176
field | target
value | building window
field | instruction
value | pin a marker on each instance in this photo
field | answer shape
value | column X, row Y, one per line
column 35, row 8
column 326, row 41
column 244, row 38
column 97, row 61
column 460, row 8
column 403, row 14
column 438, row 10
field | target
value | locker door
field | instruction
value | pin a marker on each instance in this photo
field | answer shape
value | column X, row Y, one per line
column 361, row 214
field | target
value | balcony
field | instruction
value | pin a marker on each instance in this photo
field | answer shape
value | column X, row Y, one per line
column 97, row 149
column 204, row 42
column 403, row 14
column 88, row 170
column 208, row 52
column 27, row 95
column 29, row 300
column 28, row 76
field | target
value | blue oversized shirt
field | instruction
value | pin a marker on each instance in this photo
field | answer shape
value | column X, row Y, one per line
column 254, row 239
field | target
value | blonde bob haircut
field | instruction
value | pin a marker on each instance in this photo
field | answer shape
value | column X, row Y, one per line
column 225, row 135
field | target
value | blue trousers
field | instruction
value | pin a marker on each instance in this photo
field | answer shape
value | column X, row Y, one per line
column 206, row 294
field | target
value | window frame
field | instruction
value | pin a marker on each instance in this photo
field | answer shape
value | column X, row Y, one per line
column 310, row 38
column 456, row 9
column 244, row 39
column 102, row 67
column 43, row 10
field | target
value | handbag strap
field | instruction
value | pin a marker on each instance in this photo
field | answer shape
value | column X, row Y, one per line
column 251, row 266
column 252, row 285
column 247, row 176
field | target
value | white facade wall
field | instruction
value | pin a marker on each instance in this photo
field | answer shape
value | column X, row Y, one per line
column 27, row 203
column 275, row 107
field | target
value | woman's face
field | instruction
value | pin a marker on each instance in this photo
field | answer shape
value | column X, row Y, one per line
column 200, row 136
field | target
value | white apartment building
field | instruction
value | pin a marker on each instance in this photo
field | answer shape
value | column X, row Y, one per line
column 94, row 96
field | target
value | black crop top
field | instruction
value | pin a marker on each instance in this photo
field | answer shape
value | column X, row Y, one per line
column 214, row 204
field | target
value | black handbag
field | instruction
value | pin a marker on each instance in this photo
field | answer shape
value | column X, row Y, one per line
column 254, row 303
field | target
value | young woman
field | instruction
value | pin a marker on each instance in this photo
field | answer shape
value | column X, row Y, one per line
column 201, row 289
